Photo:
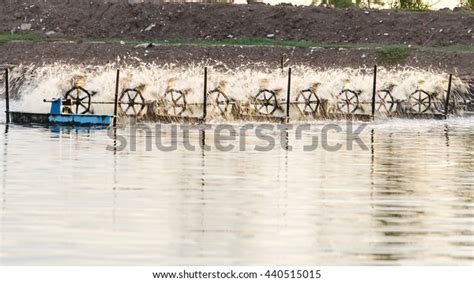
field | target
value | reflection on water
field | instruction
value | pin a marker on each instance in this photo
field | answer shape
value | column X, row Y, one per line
column 407, row 200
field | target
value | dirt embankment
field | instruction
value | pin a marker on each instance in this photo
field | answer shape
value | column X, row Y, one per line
column 88, row 19
column 93, row 19
column 225, row 57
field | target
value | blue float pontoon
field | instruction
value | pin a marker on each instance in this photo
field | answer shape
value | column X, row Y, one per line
column 60, row 115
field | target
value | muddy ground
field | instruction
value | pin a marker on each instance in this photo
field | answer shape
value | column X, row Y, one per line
column 225, row 57
column 61, row 21
column 94, row 19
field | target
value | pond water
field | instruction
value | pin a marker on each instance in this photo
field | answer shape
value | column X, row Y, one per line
column 406, row 198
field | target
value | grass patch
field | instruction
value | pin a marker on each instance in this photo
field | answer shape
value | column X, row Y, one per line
column 388, row 52
column 227, row 41
column 450, row 48
column 392, row 55
column 254, row 42
column 17, row 37
column 386, row 48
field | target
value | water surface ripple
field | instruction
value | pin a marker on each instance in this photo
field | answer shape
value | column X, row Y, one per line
column 408, row 199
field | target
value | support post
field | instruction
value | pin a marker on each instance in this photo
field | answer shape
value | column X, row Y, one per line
column 204, row 109
column 288, row 96
column 281, row 63
column 374, row 91
column 116, row 97
column 7, row 97
column 446, row 105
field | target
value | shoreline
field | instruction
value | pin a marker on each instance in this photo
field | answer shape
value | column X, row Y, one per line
column 232, row 36
column 227, row 56
column 194, row 21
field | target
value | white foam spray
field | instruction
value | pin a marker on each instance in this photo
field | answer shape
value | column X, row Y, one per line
column 31, row 84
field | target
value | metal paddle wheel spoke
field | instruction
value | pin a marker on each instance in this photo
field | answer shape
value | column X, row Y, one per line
column 266, row 102
column 308, row 102
column 175, row 102
column 80, row 99
column 132, row 102
column 384, row 102
column 218, row 101
column 419, row 101
column 348, row 101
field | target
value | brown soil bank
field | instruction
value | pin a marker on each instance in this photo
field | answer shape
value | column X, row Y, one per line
column 226, row 57
column 92, row 19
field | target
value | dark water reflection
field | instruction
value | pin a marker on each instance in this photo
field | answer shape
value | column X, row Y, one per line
column 407, row 200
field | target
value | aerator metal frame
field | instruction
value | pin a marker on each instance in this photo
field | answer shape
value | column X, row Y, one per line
column 265, row 105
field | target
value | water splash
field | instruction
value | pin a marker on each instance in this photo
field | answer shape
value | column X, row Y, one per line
column 30, row 84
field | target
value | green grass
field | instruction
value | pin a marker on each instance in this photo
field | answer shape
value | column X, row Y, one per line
column 22, row 37
column 387, row 51
column 392, row 55
column 246, row 42
column 455, row 48
column 287, row 43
